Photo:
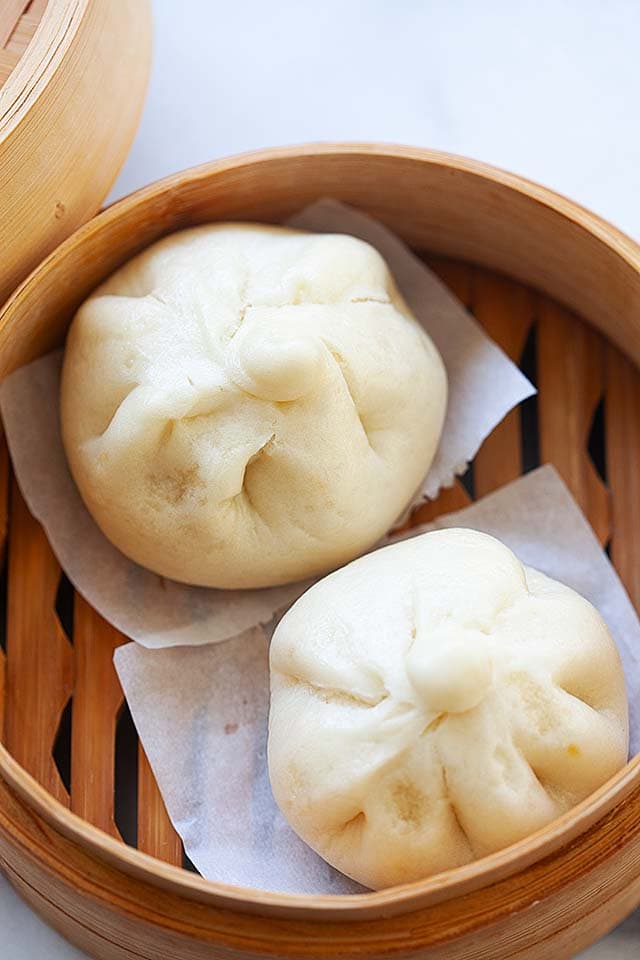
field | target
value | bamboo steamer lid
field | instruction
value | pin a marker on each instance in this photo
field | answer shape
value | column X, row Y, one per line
column 73, row 74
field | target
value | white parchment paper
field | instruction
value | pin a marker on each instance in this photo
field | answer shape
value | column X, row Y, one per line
column 483, row 386
column 150, row 609
column 201, row 713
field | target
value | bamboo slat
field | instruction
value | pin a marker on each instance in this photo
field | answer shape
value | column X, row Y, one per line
column 156, row 835
column 571, row 384
column 97, row 698
column 458, row 277
column 39, row 674
column 506, row 311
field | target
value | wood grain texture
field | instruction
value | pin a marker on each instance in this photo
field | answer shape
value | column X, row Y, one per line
column 70, row 98
column 39, row 673
column 459, row 208
column 551, row 910
column 23, row 33
column 37, row 7
column 97, row 698
column 8, row 62
column 458, row 277
column 10, row 13
column 546, row 896
column 570, row 385
column 156, row 835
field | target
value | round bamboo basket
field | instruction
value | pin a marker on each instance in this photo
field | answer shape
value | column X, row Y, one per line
column 73, row 74
column 560, row 290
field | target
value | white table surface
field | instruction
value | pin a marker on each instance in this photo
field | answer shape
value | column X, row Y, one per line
column 547, row 88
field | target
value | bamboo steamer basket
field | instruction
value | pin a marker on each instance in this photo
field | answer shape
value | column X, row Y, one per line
column 560, row 290
column 73, row 74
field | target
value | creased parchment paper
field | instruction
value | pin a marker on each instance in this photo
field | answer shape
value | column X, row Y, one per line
column 483, row 386
column 202, row 712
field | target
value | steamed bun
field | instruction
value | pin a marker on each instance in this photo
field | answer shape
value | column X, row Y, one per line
column 436, row 701
column 245, row 405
